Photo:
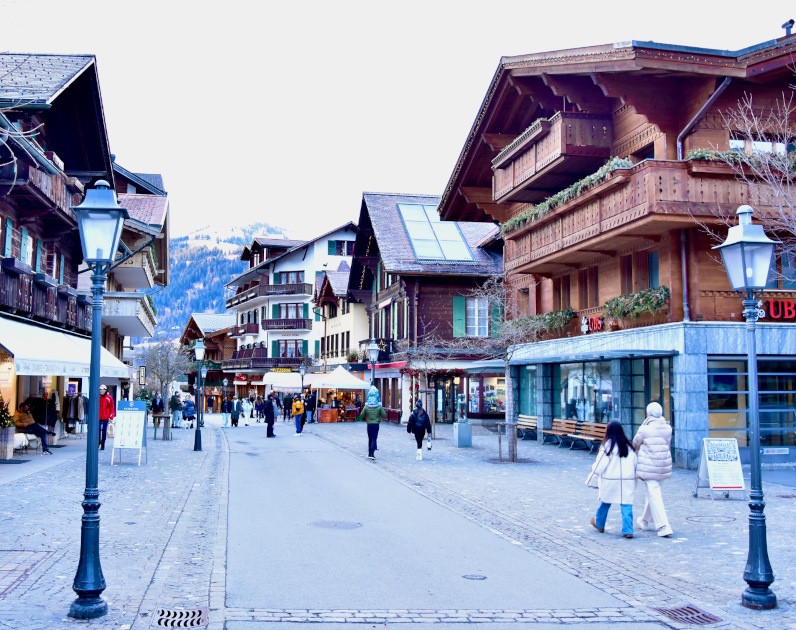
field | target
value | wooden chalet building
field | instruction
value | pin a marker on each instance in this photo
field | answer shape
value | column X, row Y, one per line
column 414, row 273
column 216, row 332
column 593, row 162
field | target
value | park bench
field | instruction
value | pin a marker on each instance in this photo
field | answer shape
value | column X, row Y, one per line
column 593, row 432
column 560, row 431
column 526, row 425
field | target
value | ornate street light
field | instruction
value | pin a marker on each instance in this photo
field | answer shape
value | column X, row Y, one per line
column 373, row 355
column 225, row 381
column 747, row 254
column 100, row 220
column 199, row 353
column 302, row 371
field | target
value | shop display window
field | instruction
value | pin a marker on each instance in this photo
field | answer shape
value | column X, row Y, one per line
column 474, row 395
column 494, row 394
column 584, row 391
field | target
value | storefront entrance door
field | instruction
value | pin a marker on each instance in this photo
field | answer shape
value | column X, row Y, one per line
column 444, row 400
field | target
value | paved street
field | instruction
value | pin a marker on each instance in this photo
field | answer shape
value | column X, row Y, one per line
column 315, row 532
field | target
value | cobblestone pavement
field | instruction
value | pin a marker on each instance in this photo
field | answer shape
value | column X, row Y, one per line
column 158, row 536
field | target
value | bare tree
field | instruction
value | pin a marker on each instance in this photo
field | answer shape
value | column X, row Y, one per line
column 165, row 362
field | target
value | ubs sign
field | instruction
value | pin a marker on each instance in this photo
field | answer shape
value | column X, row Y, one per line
column 781, row 309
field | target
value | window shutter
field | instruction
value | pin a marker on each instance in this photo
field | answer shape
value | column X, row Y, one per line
column 317, row 312
column 378, row 276
column 459, row 309
column 305, row 348
column 274, row 349
column 317, row 347
column 275, row 311
column 495, row 317
column 306, row 310
column 276, row 277
column 23, row 245
column 9, row 234
column 61, row 269
column 332, row 246
column 37, row 261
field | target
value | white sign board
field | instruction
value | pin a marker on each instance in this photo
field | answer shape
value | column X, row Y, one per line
column 720, row 467
column 129, row 427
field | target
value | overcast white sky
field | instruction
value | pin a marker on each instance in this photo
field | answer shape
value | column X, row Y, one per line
column 287, row 111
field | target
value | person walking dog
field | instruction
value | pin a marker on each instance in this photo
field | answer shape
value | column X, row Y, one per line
column 419, row 424
column 614, row 473
column 372, row 413
column 653, row 443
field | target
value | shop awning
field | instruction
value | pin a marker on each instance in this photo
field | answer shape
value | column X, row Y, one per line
column 340, row 378
column 39, row 351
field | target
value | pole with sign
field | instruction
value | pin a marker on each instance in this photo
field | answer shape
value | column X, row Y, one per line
column 720, row 468
column 130, row 428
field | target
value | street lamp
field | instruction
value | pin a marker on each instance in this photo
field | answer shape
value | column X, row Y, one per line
column 100, row 220
column 225, row 381
column 302, row 371
column 199, row 353
column 373, row 355
column 747, row 254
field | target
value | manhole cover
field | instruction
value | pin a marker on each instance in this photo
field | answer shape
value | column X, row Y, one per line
column 688, row 614
column 710, row 519
column 336, row 524
column 16, row 565
column 473, row 576
column 173, row 618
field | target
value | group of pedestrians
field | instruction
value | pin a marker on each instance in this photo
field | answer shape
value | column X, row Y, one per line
column 620, row 463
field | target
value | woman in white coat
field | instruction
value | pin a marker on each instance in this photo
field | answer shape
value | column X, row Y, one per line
column 653, row 443
column 615, row 473
column 247, row 410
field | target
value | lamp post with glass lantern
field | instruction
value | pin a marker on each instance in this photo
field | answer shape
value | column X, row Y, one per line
column 199, row 354
column 225, row 382
column 100, row 221
column 373, row 355
column 302, row 371
column 202, row 408
column 747, row 254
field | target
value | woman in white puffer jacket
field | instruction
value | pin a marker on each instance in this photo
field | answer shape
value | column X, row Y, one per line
column 653, row 445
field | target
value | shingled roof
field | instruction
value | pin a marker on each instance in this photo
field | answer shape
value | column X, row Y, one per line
column 149, row 209
column 29, row 78
column 396, row 251
column 211, row 322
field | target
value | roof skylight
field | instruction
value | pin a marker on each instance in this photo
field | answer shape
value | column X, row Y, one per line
column 431, row 238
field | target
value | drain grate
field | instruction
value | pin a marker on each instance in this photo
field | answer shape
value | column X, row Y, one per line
column 336, row 524
column 689, row 615
column 174, row 618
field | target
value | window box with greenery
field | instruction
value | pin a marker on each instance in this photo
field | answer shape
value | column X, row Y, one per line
column 634, row 305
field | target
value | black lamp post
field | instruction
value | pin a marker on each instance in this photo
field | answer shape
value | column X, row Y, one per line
column 199, row 353
column 373, row 355
column 747, row 254
column 100, row 221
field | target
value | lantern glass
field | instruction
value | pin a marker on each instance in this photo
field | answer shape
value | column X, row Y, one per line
column 373, row 351
column 204, row 373
column 100, row 222
column 199, row 350
column 302, row 369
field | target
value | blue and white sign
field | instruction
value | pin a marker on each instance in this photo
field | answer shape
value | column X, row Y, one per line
column 129, row 427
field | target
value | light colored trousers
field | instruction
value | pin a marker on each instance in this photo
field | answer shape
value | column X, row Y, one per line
column 654, row 512
column 225, row 416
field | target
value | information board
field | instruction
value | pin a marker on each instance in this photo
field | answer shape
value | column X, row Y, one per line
column 720, row 467
column 129, row 428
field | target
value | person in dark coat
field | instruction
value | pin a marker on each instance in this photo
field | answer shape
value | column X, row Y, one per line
column 226, row 409
column 309, row 403
column 419, row 424
column 158, row 404
column 270, row 415
column 190, row 411
column 237, row 410
column 287, row 407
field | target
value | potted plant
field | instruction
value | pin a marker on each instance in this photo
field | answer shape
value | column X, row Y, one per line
column 7, row 431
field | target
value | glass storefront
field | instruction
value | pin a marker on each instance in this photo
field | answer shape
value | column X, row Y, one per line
column 527, row 390
column 582, row 391
column 486, row 395
column 650, row 382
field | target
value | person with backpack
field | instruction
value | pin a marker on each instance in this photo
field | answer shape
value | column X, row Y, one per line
column 298, row 413
column 614, row 473
column 419, row 424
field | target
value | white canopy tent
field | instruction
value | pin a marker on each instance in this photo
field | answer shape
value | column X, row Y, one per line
column 340, row 378
column 284, row 381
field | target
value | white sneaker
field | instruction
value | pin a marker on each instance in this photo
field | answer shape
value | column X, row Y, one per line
column 419, row 453
column 665, row 531
column 645, row 525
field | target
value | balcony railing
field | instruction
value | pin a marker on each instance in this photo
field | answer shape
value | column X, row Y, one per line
column 130, row 313
column 287, row 324
column 257, row 358
column 566, row 147
column 245, row 329
column 605, row 214
column 40, row 188
column 269, row 290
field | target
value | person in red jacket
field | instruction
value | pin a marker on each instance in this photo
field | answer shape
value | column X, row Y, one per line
column 107, row 412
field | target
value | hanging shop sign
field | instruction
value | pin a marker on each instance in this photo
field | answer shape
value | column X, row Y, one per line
column 591, row 324
column 281, row 370
column 242, row 377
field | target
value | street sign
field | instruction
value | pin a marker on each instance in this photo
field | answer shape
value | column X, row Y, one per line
column 129, row 428
column 720, row 467
column 142, row 375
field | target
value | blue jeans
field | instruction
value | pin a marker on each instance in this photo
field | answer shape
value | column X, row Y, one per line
column 225, row 417
column 373, row 434
column 298, row 422
column 627, row 517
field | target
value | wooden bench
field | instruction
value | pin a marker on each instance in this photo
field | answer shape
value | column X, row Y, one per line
column 526, row 425
column 593, row 432
column 562, row 429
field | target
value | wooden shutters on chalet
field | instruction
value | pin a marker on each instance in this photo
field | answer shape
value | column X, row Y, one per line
column 275, row 311
column 317, row 348
column 305, row 348
column 61, row 269
column 8, row 238
column 37, row 257
column 459, row 316
column 306, row 310
column 23, row 245
column 332, row 247
column 274, row 349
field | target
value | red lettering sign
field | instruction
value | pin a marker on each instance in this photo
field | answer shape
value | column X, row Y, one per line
column 595, row 323
column 782, row 309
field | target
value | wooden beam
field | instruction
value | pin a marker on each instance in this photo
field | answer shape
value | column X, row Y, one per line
column 497, row 141
column 580, row 91
column 476, row 194
column 536, row 88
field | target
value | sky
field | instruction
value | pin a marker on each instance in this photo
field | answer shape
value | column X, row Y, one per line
column 285, row 112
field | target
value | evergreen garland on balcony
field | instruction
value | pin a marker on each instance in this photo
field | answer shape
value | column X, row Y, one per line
column 636, row 304
column 554, row 321
column 561, row 197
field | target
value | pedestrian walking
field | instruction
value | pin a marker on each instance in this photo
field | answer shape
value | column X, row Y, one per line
column 298, row 414
column 175, row 406
column 237, row 410
column 287, row 406
column 270, row 415
column 310, row 404
column 210, row 402
column 614, row 473
column 372, row 413
column 653, row 443
column 419, row 424
column 246, row 407
column 259, row 408
column 226, row 409
column 252, row 398
column 190, row 411
column 107, row 412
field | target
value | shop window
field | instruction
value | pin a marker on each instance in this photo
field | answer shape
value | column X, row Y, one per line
column 584, row 393
column 528, row 390
column 494, row 394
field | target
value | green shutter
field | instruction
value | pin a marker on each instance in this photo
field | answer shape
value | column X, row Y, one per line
column 332, row 246
column 61, row 270
column 306, row 310
column 317, row 312
column 276, row 277
column 378, row 276
column 23, row 245
column 317, row 347
column 37, row 261
column 275, row 311
column 305, row 348
column 274, row 349
column 459, row 310
column 495, row 317
column 9, row 234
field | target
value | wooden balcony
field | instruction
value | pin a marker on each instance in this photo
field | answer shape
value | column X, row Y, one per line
column 268, row 290
column 138, row 271
column 242, row 330
column 551, row 155
column 632, row 206
column 34, row 189
column 287, row 324
column 257, row 358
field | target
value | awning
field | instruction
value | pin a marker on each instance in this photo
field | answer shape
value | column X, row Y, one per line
column 39, row 351
column 340, row 378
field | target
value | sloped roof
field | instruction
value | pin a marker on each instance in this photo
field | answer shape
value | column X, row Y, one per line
column 149, row 209
column 211, row 322
column 154, row 179
column 338, row 280
column 140, row 180
column 34, row 78
column 277, row 242
column 396, row 251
